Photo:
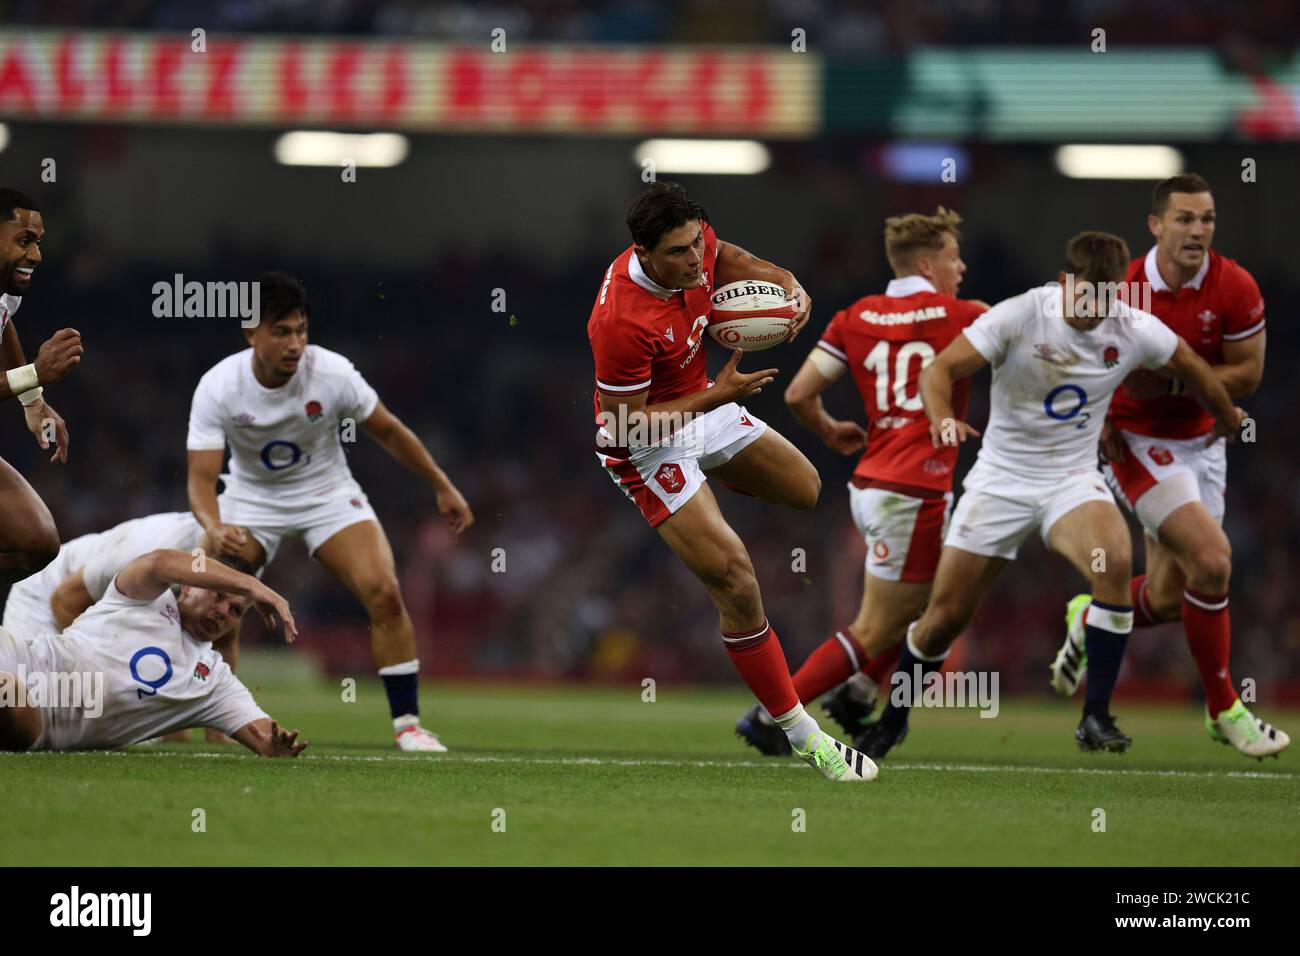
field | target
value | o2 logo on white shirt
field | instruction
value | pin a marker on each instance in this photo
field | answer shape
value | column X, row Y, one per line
column 1065, row 402
column 154, row 683
column 273, row 453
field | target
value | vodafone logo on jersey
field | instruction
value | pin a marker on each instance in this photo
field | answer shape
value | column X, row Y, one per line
column 670, row 478
column 879, row 550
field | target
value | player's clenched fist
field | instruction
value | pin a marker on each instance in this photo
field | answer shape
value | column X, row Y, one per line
column 1227, row 430
column 732, row 384
column 57, row 356
column 949, row 431
column 228, row 539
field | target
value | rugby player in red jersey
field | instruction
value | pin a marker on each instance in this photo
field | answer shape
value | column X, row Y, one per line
column 901, row 490
column 28, row 539
column 662, row 427
column 1165, row 464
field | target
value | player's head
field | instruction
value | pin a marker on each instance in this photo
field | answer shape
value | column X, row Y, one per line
column 668, row 234
column 21, row 229
column 1182, row 220
column 927, row 246
column 1095, row 265
column 210, row 615
column 280, row 336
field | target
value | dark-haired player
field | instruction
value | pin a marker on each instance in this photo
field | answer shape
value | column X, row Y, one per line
column 1058, row 353
column 662, row 426
column 282, row 405
column 28, row 538
column 901, row 491
column 1164, row 464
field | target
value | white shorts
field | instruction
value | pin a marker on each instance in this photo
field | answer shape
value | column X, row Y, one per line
column 659, row 479
column 998, row 510
column 316, row 519
column 1159, row 475
column 904, row 534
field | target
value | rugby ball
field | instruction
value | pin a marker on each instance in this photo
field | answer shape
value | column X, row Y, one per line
column 751, row 314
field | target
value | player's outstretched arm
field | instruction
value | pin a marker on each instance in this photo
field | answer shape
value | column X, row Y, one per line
column 266, row 738
column 70, row 599
column 1203, row 385
column 804, row 398
column 405, row 446
column 957, row 361
column 148, row 575
column 735, row 264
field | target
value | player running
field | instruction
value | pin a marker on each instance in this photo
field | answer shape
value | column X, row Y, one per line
column 900, row 494
column 1163, row 469
column 646, row 328
column 140, row 663
column 1058, row 354
column 281, row 405
column 28, row 539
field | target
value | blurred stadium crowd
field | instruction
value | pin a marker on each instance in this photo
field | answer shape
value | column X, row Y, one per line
column 504, row 402
column 834, row 26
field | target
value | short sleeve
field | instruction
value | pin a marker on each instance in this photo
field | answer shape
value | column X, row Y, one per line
column 99, row 571
column 359, row 399
column 992, row 332
column 1246, row 316
column 832, row 340
column 229, row 705
column 206, row 432
column 623, row 353
column 1158, row 341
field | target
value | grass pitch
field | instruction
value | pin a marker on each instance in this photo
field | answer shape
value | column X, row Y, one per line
column 582, row 775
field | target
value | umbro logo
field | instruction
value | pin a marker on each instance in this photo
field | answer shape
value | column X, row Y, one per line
column 242, row 421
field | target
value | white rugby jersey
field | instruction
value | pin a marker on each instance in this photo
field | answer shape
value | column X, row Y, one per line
column 157, row 678
column 27, row 609
column 284, row 440
column 8, row 306
column 1052, row 383
column 119, row 546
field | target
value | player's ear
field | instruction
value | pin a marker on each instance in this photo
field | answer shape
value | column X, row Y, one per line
column 1153, row 224
column 1060, row 277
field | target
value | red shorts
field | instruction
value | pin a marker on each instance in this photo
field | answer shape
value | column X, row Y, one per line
column 904, row 534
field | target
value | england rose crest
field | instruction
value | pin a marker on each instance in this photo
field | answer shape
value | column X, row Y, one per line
column 314, row 411
column 1110, row 356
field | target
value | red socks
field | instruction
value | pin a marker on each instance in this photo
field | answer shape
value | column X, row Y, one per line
column 834, row 660
column 880, row 667
column 838, row 658
column 1142, row 616
column 758, row 657
column 1209, row 636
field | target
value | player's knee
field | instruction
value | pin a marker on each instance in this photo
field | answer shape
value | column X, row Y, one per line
column 1112, row 577
column 38, row 544
column 810, row 491
column 1211, row 570
column 383, row 597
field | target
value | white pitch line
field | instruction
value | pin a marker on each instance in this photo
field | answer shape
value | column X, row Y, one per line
column 730, row 764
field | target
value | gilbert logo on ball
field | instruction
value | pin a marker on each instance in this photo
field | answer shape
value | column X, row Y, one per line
column 751, row 315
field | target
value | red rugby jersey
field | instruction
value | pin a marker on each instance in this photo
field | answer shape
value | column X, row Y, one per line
column 647, row 338
column 1221, row 304
column 886, row 341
